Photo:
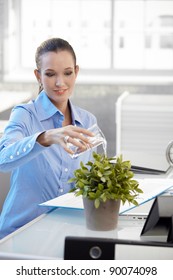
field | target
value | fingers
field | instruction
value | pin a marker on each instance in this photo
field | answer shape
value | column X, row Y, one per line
column 77, row 140
column 75, row 146
column 81, row 145
column 79, row 133
column 71, row 138
column 66, row 139
column 83, row 131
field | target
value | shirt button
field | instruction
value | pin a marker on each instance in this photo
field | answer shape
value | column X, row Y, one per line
column 29, row 145
column 24, row 149
column 17, row 153
column 11, row 157
column 61, row 190
column 66, row 169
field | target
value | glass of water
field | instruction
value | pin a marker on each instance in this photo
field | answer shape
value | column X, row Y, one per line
column 94, row 141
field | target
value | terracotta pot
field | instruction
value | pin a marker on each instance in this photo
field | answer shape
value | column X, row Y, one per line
column 103, row 218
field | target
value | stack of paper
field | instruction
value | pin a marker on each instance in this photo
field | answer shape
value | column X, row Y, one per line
column 151, row 188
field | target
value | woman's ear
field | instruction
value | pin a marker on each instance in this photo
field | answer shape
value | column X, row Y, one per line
column 76, row 70
column 37, row 75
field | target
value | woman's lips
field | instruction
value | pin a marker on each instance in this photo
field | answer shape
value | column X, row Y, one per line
column 60, row 91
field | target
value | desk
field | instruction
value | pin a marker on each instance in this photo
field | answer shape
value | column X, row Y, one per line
column 43, row 238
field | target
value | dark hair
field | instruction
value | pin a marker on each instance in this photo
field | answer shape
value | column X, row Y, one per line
column 52, row 45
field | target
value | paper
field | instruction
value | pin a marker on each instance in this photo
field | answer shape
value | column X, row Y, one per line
column 151, row 188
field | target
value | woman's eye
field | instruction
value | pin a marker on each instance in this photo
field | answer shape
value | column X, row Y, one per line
column 68, row 73
column 49, row 74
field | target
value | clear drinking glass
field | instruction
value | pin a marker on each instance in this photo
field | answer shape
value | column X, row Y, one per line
column 95, row 141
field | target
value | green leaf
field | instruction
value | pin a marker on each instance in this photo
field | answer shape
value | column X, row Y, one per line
column 99, row 174
column 107, row 173
column 103, row 179
column 91, row 195
column 79, row 193
column 139, row 190
column 97, row 203
column 100, row 187
column 103, row 197
column 71, row 180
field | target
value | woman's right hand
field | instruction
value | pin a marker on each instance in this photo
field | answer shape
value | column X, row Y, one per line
column 75, row 135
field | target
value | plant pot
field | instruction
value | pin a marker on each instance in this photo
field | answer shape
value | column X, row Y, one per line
column 103, row 218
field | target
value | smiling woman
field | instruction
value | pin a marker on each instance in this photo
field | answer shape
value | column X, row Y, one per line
column 34, row 145
column 57, row 73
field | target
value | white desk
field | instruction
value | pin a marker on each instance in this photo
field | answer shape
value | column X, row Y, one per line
column 44, row 236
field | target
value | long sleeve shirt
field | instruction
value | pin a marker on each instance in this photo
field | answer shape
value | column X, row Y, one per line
column 38, row 173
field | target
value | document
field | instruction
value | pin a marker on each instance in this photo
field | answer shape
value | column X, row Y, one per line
column 151, row 188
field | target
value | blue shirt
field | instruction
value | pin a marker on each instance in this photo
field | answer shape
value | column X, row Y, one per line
column 38, row 173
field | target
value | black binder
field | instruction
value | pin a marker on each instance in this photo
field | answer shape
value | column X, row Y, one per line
column 92, row 248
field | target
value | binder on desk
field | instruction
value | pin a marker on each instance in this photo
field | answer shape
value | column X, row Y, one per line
column 145, row 170
column 115, row 249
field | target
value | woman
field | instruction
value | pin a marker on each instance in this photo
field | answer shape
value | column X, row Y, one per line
column 34, row 145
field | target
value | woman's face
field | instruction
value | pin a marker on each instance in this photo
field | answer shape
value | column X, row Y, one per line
column 57, row 75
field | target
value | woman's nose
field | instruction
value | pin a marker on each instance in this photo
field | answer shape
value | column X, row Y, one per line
column 59, row 82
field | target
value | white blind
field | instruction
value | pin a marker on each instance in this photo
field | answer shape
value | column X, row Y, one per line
column 144, row 126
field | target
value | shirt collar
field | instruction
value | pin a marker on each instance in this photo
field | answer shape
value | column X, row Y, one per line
column 76, row 119
column 47, row 109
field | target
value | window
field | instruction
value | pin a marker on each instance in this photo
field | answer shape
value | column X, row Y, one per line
column 108, row 35
column 84, row 23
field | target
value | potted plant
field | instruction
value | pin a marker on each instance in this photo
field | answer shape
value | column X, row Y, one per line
column 104, row 183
